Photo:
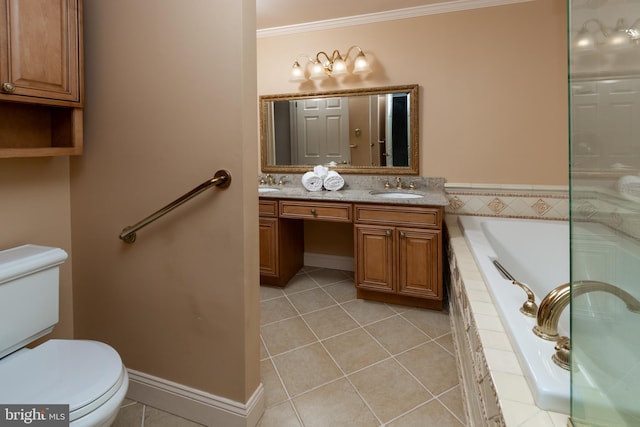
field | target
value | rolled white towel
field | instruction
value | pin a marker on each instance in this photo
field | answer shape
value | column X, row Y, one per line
column 321, row 171
column 311, row 181
column 333, row 181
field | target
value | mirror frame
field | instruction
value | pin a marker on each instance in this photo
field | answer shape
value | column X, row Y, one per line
column 414, row 139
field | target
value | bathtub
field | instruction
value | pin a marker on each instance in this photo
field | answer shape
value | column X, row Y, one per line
column 535, row 252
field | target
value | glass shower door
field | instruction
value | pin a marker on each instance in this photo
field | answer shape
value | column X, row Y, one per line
column 604, row 85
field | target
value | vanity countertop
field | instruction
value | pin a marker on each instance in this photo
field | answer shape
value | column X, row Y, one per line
column 364, row 190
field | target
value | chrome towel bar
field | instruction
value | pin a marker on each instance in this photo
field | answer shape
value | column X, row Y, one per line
column 221, row 179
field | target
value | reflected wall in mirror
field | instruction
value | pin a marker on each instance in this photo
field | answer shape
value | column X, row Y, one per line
column 604, row 138
column 367, row 131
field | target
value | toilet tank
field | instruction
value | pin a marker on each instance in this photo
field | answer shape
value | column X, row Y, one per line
column 29, row 279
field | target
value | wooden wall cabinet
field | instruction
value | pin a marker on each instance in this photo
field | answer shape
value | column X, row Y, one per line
column 399, row 254
column 41, row 78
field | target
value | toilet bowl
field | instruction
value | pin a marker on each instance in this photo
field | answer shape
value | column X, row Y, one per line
column 86, row 375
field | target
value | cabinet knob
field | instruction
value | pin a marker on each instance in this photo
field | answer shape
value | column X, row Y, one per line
column 313, row 212
column 388, row 232
column 8, row 87
column 402, row 234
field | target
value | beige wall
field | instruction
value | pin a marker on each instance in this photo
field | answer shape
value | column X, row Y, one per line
column 34, row 196
column 170, row 90
column 493, row 85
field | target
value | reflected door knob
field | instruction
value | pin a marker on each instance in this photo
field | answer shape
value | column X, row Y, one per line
column 8, row 87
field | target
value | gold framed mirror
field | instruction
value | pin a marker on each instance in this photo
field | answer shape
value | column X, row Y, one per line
column 358, row 131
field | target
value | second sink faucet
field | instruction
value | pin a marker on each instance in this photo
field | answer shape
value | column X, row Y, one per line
column 399, row 183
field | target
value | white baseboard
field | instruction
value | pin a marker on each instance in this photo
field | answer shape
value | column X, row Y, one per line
column 328, row 261
column 195, row 405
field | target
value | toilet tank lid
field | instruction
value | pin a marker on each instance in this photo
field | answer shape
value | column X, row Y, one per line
column 27, row 259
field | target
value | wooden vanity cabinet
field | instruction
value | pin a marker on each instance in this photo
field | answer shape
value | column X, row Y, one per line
column 41, row 79
column 398, row 251
column 281, row 245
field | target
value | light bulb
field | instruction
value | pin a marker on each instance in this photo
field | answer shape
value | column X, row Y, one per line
column 584, row 40
column 317, row 72
column 361, row 64
column 339, row 68
column 297, row 73
column 619, row 38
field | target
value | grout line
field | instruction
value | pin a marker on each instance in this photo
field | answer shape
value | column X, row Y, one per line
column 396, row 312
column 144, row 410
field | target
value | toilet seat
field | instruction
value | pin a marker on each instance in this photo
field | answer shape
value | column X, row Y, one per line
column 83, row 374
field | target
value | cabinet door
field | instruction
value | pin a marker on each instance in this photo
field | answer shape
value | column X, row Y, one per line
column 374, row 257
column 419, row 260
column 269, row 246
column 40, row 51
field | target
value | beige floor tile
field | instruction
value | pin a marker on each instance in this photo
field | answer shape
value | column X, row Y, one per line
column 276, row 309
column 334, row 404
column 388, row 389
column 432, row 365
column 447, row 342
column 281, row 415
column 306, row 368
column 299, row 282
column 263, row 351
column 130, row 415
column 157, row 418
column 430, row 414
column 396, row 334
column 270, row 292
column 311, row 300
column 366, row 312
column 452, row 399
column 433, row 323
column 326, row 276
column 342, row 291
column 273, row 389
column 329, row 322
column 355, row 350
column 286, row 335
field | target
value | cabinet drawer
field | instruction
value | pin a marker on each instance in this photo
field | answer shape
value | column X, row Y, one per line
column 268, row 208
column 413, row 216
column 339, row 212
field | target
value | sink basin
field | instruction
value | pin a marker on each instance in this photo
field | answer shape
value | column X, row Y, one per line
column 396, row 195
column 267, row 190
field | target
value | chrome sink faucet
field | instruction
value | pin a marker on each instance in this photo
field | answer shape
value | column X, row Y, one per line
column 552, row 306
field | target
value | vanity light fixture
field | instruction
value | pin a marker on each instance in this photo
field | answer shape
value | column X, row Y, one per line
column 621, row 36
column 324, row 66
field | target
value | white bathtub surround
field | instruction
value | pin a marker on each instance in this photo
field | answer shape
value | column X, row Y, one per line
column 535, row 252
column 495, row 386
column 514, row 201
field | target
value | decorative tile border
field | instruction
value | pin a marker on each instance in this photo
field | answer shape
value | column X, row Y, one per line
column 510, row 201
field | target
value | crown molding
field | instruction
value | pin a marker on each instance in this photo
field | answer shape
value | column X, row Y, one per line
column 390, row 15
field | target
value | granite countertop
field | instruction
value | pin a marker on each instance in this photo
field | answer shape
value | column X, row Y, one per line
column 362, row 189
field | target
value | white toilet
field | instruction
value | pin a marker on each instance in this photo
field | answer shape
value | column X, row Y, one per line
column 87, row 375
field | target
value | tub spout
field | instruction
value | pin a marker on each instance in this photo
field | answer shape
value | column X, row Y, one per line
column 552, row 306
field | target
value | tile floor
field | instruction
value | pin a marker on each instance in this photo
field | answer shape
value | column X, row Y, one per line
column 331, row 360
